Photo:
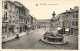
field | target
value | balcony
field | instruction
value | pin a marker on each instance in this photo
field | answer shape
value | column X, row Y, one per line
column 10, row 24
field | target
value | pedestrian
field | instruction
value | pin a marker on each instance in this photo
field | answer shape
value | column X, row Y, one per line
column 16, row 32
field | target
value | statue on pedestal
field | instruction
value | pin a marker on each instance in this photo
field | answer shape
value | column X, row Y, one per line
column 52, row 36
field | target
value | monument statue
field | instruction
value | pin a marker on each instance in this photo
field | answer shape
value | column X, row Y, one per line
column 52, row 36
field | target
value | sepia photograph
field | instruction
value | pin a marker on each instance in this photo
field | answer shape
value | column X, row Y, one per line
column 40, row 24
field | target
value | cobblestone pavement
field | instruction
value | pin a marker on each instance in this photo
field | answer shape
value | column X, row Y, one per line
column 31, row 41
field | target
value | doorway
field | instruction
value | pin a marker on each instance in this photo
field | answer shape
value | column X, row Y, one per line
column 71, row 31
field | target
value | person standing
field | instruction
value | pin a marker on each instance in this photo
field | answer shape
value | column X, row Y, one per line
column 16, row 32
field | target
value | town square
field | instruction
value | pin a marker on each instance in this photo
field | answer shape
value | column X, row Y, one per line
column 23, row 30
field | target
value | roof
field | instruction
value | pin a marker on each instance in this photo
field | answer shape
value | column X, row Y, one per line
column 11, row 2
column 20, row 5
column 17, row 4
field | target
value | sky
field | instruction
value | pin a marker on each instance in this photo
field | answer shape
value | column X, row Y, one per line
column 45, row 8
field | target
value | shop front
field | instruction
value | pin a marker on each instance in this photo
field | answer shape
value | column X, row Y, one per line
column 22, row 28
column 4, row 30
column 74, row 31
column 11, row 30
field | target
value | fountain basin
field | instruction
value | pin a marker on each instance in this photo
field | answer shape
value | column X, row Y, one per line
column 55, row 43
column 57, row 39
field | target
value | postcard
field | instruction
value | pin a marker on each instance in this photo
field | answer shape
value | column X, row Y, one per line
column 39, row 25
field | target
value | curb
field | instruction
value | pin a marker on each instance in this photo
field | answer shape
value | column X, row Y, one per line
column 12, row 37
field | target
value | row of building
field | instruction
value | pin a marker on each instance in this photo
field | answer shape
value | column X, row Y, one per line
column 16, row 17
column 68, row 21
column 44, row 23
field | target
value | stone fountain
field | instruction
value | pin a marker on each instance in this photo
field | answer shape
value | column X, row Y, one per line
column 53, row 36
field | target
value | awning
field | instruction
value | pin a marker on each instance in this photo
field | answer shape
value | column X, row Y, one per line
column 59, row 28
column 29, row 26
column 67, row 29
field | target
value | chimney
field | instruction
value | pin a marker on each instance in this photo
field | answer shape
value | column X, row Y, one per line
column 66, row 10
column 76, row 8
column 71, row 10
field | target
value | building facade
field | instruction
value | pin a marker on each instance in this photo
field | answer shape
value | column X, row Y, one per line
column 68, row 21
column 10, row 17
column 15, row 17
column 43, row 23
column 22, row 16
column 74, row 21
column 27, row 20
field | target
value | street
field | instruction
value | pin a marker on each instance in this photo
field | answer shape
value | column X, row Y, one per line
column 31, row 41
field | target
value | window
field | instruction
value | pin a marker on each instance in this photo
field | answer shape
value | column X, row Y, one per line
column 13, row 8
column 76, row 23
column 13, row 18
column 76, row 15
column 63, row 24
column 13, row 21
column 10, row 16
column 5, row 14
column 26, row 22
column 5, row 5
column 9, row 7
column 2, row 4
column 17, row 21
column 73, row 16
column 10, row 21
column 58, row 18
column 21, row 19
column 17, row 11
column 72, row 23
